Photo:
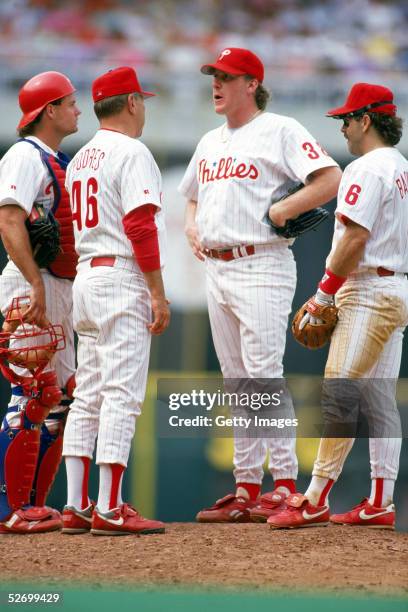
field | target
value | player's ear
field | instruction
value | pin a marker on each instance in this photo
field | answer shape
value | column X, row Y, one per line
column 131, row 103
column 50, row 111
column 253, row 85
column 366, row 122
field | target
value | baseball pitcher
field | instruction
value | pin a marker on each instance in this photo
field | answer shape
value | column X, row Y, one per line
column 237, row 170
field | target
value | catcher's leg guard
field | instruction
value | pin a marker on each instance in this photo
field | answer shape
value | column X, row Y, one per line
column 49, row 459
column 19, row 448
column 51, row 437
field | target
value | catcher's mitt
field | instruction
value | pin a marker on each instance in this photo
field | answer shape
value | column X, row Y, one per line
column 303, row 223
column 314, row 335
column 44, row 234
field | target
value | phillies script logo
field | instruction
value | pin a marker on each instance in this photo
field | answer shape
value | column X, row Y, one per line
column 225, row 168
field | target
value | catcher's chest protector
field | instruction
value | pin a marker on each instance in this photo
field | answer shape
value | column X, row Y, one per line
column 64, row 266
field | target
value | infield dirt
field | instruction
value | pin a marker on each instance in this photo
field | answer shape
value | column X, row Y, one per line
column 241, row 556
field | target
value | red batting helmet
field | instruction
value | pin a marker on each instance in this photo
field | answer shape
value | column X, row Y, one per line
column 39, row 91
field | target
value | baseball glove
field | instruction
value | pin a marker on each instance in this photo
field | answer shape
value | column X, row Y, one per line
column 44, row 234
column 317, row 334
column 303, row 223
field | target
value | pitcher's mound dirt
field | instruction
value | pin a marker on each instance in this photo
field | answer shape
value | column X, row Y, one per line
column 242, row 556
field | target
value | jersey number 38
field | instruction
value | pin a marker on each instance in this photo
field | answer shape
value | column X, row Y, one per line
column 85, row 194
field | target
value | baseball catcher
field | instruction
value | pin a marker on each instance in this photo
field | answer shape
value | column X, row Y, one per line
column 36, row 229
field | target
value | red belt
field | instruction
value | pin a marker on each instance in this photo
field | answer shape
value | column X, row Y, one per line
column 103, row 261
column 384, row 272
column 230, row 254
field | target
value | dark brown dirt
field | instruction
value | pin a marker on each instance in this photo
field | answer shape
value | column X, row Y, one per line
column 243, row 556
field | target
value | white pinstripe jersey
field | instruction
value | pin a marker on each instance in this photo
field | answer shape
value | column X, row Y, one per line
column 374, row 193
column 110, row 176
column 235, row 174
column 25, row 178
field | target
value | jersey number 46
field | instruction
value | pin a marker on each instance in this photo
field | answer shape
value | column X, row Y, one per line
column 91, row 203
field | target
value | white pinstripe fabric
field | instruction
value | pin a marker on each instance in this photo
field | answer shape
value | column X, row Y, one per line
column 24, row 177
column 367, row 343
column 126, row 177
column 268, row 157
column 111, row 313
column 380, row 207
column 249, row 301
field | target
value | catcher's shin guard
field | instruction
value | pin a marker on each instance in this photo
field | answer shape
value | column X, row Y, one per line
column 19, row 448
column 50, row 453
column 49, row 459
column 20, row 444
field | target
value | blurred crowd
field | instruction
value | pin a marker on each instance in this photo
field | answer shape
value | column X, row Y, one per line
column 299, row 39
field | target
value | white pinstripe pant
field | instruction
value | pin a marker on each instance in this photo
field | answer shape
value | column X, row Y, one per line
column 249, row 301
column 367, row 343
column 112, row 309
column 58, row 294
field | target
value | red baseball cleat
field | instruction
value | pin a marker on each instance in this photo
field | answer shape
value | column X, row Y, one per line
column 366, row 515
column 229, row 509
column 33, row 519
column 299, row 512
column 124, row 520
column 267, row 505
column 77, row 521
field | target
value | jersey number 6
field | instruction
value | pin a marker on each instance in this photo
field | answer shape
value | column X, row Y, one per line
column 91, row 213
column 352, row 194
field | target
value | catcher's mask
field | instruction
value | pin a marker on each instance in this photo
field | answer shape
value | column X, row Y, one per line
column 25, row 345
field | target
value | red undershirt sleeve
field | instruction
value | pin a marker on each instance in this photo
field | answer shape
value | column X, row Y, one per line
column 141, row 230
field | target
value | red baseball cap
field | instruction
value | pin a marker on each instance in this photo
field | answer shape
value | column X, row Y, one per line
column 115, row 82
column 238, row 62
column 364, row 97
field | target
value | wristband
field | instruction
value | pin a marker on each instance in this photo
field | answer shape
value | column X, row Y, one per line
column 331, row 283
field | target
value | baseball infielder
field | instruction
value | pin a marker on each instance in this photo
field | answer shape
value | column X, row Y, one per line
column 115, row 189
column 367, row 274
column 236, row 172
column 33, row 172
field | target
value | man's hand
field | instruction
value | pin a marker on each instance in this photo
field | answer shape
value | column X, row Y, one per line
column 314, row 322
column 35, row 314
column 161, row 316
column 191, row 232
column 322, row 299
